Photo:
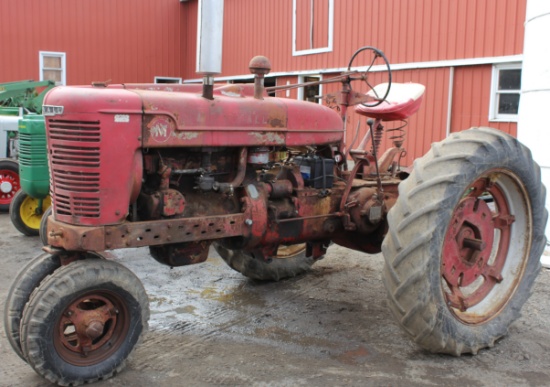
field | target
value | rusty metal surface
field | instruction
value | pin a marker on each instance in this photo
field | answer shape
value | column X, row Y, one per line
column 137, row 234
column 186, row 119
column 91, row 328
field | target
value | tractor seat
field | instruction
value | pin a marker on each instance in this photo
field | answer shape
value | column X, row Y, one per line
column 402, row 102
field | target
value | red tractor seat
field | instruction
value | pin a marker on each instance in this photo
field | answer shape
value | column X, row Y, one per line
column 402, row 102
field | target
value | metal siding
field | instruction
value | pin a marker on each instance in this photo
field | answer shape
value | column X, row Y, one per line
column 471, row 95
column 122, row 40
column 407, row 31
column 188, row 36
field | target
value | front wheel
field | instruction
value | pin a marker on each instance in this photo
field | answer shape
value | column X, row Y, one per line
column 26, row 212
column 465, row 241
column 83, row 321
column 290, row 261
column 20, row 291
column 9, row 182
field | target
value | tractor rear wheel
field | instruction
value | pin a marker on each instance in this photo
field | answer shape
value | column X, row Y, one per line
column 83, row 321
column 290, row 261
column 26, row 212
column 465, row 240
column 9, row 182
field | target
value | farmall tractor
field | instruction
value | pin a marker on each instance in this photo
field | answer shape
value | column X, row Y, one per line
column 265, row 182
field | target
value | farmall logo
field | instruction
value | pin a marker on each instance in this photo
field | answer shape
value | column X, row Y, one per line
column 51, row 110
column 160, row 128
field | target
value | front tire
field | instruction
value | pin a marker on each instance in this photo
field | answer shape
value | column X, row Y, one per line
column 25, row 213
column 20, row 291
column 465, row 241
column 83, row 321
column 289, row 262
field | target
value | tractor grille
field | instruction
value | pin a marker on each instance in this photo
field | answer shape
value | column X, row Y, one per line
column 75, row 161
column 31, row 150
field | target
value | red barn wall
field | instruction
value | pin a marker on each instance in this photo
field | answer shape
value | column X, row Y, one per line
column 406, row 30
column 120, row 40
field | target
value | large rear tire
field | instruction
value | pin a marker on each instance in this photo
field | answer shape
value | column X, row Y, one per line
column 25, row 213
column 289, row 262
column 9, row 182
column 83, row 321
column 465, row 241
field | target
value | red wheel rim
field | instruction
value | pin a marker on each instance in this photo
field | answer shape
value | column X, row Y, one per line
column 476, row 249
column 9, row 184
column 91, row 328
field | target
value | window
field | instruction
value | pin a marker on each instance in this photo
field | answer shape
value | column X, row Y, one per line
column 311, row 93
column 52, row 67
column 268, row 82
column 506, row 90
column 167, row 80
column 312, row 26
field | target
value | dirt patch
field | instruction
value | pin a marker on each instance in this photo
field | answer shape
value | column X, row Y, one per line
column 210, row 326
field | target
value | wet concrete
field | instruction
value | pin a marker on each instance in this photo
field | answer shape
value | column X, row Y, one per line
column 210, row 326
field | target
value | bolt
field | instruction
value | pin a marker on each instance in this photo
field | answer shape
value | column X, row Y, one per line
column 248, row 222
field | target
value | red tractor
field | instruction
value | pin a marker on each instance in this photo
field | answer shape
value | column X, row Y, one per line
column 264, row 180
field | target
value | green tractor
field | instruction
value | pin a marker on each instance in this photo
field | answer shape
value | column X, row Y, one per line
column 32, row 201
column 24, row 185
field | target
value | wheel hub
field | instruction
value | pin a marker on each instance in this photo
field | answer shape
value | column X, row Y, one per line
column 6, row 187
column 89, row 329
column 468, row 242
column 476, row 245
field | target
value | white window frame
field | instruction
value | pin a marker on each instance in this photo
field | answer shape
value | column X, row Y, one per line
column 494, row 115
column 296, row 52
column 177, row 79
column 301, row 79
column 62, row 55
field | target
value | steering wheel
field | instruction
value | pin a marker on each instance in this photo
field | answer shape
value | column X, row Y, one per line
column 377, row 54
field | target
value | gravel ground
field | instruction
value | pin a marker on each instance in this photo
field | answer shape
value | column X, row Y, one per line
column 210, row 326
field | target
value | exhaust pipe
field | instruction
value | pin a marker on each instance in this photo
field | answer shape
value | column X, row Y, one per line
column 209, row 43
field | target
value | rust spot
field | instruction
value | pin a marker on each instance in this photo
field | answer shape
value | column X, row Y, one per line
column 268, row 137
column 276, row 123
column 187, row 135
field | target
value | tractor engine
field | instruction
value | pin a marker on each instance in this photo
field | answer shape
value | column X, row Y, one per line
column 162, row 166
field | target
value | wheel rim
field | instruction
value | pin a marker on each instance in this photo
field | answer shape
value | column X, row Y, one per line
column 486, row 246
column 284, row 252
column 9, row 185
column 29, row 212
column 92, row 328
